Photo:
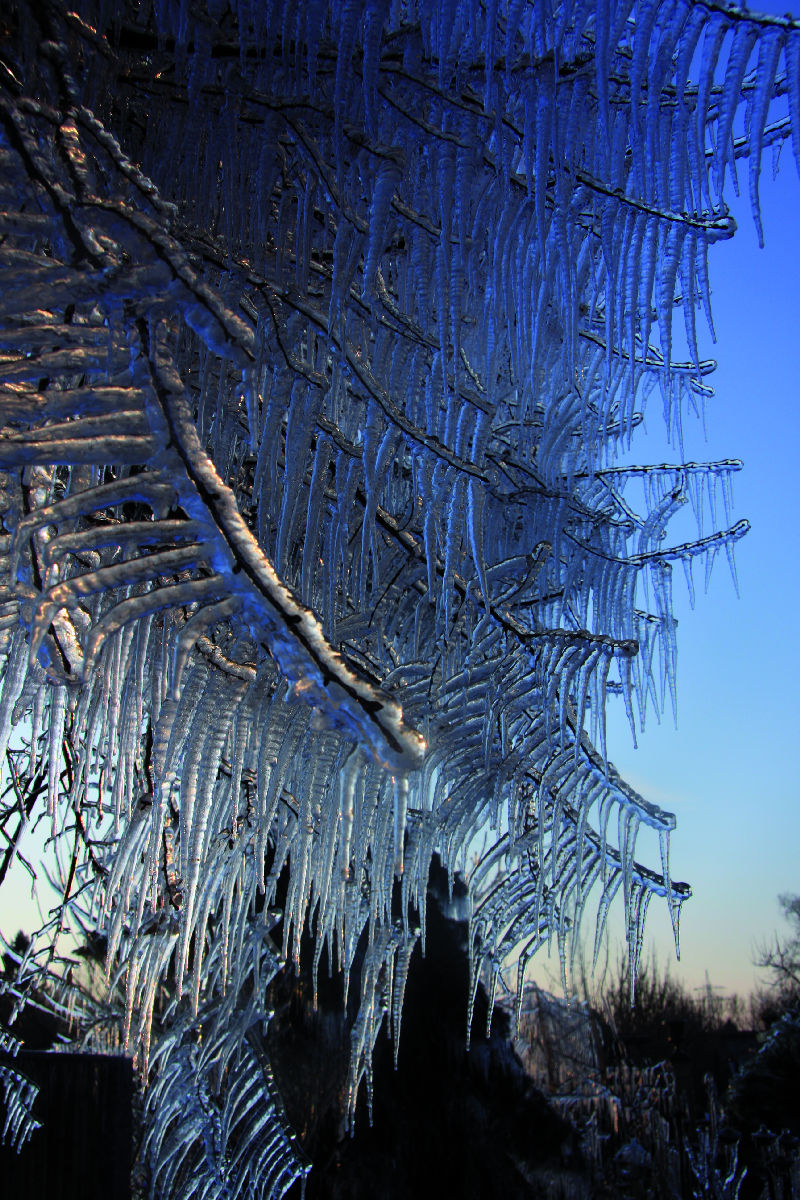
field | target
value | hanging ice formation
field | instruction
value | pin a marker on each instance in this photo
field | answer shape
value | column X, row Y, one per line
column 325, row 329
column 18, row 1096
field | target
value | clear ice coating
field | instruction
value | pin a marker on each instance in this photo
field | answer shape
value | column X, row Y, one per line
column 324, row 331
column 19, row 1095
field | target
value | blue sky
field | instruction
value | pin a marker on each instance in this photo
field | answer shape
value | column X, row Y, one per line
column 730, row 769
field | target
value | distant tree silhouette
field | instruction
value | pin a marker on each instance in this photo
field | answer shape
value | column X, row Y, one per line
column 781, row 959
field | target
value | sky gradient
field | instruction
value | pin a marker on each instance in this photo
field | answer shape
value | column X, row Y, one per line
column 729, row 771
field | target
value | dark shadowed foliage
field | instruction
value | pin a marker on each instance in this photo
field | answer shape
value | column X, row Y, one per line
column 447, row 1120
column 84, row 1148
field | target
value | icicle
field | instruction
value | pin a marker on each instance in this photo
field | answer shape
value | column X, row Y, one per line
column 400, row 791
column 137, row 607
column 13, row 680
column 316, row 500
column 636, row 934
column 58, row 715
column 349, row 775
column 206, row 617
column 744, row 37
column 609, row 892
column 383, row 188
column 665, row 286
column 475, row 516
column 769, row 48
column 688, row 566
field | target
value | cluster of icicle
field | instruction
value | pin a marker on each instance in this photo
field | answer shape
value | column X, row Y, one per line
column 214, row 1123
column 324, row 329
column 18, row 1095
